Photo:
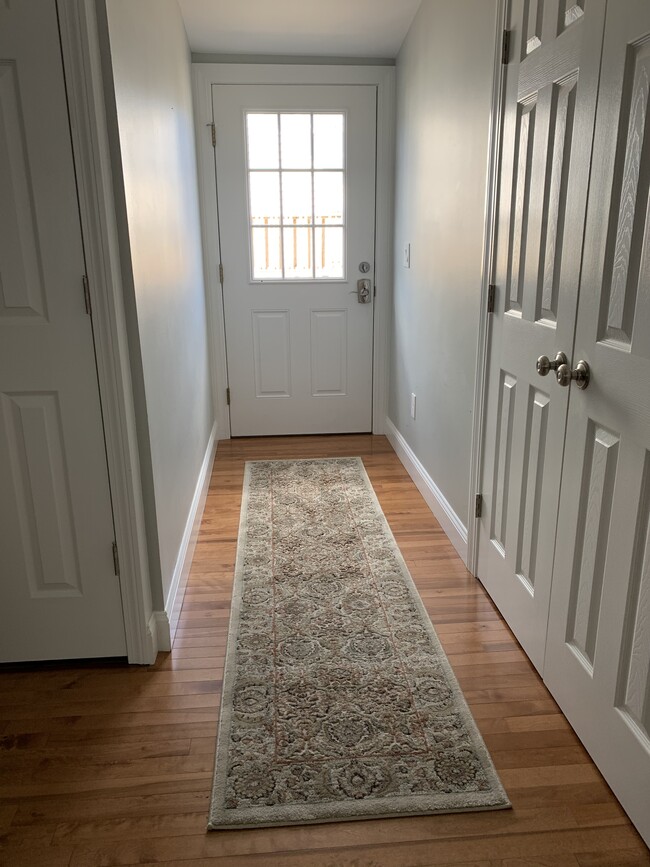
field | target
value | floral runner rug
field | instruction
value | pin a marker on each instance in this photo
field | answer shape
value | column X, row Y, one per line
column 338, row 702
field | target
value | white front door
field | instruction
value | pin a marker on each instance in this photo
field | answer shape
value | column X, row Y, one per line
column 550, row 101
column 598, row 651
column 59, row 596
column 296, row 197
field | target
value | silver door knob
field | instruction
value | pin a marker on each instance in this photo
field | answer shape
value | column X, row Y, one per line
column 581, row 374
column 544, row 364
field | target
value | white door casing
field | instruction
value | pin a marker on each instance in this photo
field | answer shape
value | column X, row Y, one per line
column 598, row 649
column 59, row 595
column 300, row 352
column 549, row 110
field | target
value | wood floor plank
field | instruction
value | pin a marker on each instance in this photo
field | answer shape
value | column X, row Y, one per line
column 102, row 764
column 403, row 854
column 627, row 858
column 53, row 856
column 90, row 810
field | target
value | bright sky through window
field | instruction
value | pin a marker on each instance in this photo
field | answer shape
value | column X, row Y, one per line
column 296, row 185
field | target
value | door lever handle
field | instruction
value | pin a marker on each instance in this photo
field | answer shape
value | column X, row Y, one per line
column 544, row 364
column 364, row 291
column 581, row 374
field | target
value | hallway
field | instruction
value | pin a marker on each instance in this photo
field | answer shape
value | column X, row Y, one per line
column 104, row 764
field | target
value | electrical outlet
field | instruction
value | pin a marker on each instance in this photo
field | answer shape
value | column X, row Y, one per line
column 413, row 406
column 407, row 255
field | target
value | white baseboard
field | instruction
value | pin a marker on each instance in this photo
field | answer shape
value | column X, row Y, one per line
column 174, row 600
column 454, row 528
column 160, row 633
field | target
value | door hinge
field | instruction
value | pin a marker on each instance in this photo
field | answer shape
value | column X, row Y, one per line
column 89, row 309
column 492, row 291
column 116, row 560
column 228, row 396
column 221, row 273
column 478, row 507
column 213, row 131
column 505, row 48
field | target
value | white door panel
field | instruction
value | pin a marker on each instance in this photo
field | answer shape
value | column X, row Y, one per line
column 272, row 353
column 598, row 651
column 59, row 596
column 329, row 349
column 299, row 350
column 550, row 98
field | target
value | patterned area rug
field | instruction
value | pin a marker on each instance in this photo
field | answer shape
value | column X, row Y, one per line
column 339, row 702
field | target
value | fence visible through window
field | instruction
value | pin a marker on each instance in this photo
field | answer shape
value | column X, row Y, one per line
column 296, row 195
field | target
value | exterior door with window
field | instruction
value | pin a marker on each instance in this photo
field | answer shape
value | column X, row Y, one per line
column 296, row 198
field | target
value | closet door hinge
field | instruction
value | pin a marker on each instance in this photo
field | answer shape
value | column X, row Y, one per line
column 492, row 291
column 89, row 309
column 116, row 560
column 213, row 131
column 478, row 507
column 505, row 47
column 228, row 396
column 221, row 273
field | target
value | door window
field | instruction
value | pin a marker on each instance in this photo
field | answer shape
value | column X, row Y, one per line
column 296, row 195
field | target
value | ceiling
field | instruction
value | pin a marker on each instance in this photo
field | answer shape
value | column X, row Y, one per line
column 332, row 28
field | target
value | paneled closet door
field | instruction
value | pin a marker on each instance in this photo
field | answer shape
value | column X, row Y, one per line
column 59, row 595
column 598, row 649
column 550, row 100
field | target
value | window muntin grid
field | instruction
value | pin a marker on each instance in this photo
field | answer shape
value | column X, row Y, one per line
column 296, row 195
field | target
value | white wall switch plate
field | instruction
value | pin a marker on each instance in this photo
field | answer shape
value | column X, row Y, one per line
column 407, row 255
column 413, row 406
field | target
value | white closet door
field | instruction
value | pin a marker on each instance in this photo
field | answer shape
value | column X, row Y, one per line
column 551, row 83
column 598, row 649
column 59, row 595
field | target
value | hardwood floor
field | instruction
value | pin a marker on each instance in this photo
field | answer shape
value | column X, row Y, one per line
column 110, row 765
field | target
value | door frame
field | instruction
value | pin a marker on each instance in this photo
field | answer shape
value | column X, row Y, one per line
column 487, row 278
column 204, row 75
column 90, row 145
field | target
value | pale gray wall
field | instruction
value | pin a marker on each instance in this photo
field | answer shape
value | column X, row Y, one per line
column 444, row 80
column 161, row 249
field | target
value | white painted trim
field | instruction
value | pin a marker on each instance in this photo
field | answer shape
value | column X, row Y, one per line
column 384, row 246
column 487, row 277
column 204, row 75
column 160, row 631
column 434, row 498
column 207, row 183
column 300, row 59
column 84, row 85
column 174, row 600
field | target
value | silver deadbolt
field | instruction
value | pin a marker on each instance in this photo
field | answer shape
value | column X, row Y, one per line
column 364, row 291
column 364, row 267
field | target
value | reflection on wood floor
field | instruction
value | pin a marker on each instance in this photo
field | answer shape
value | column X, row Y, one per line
column 101, row 764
